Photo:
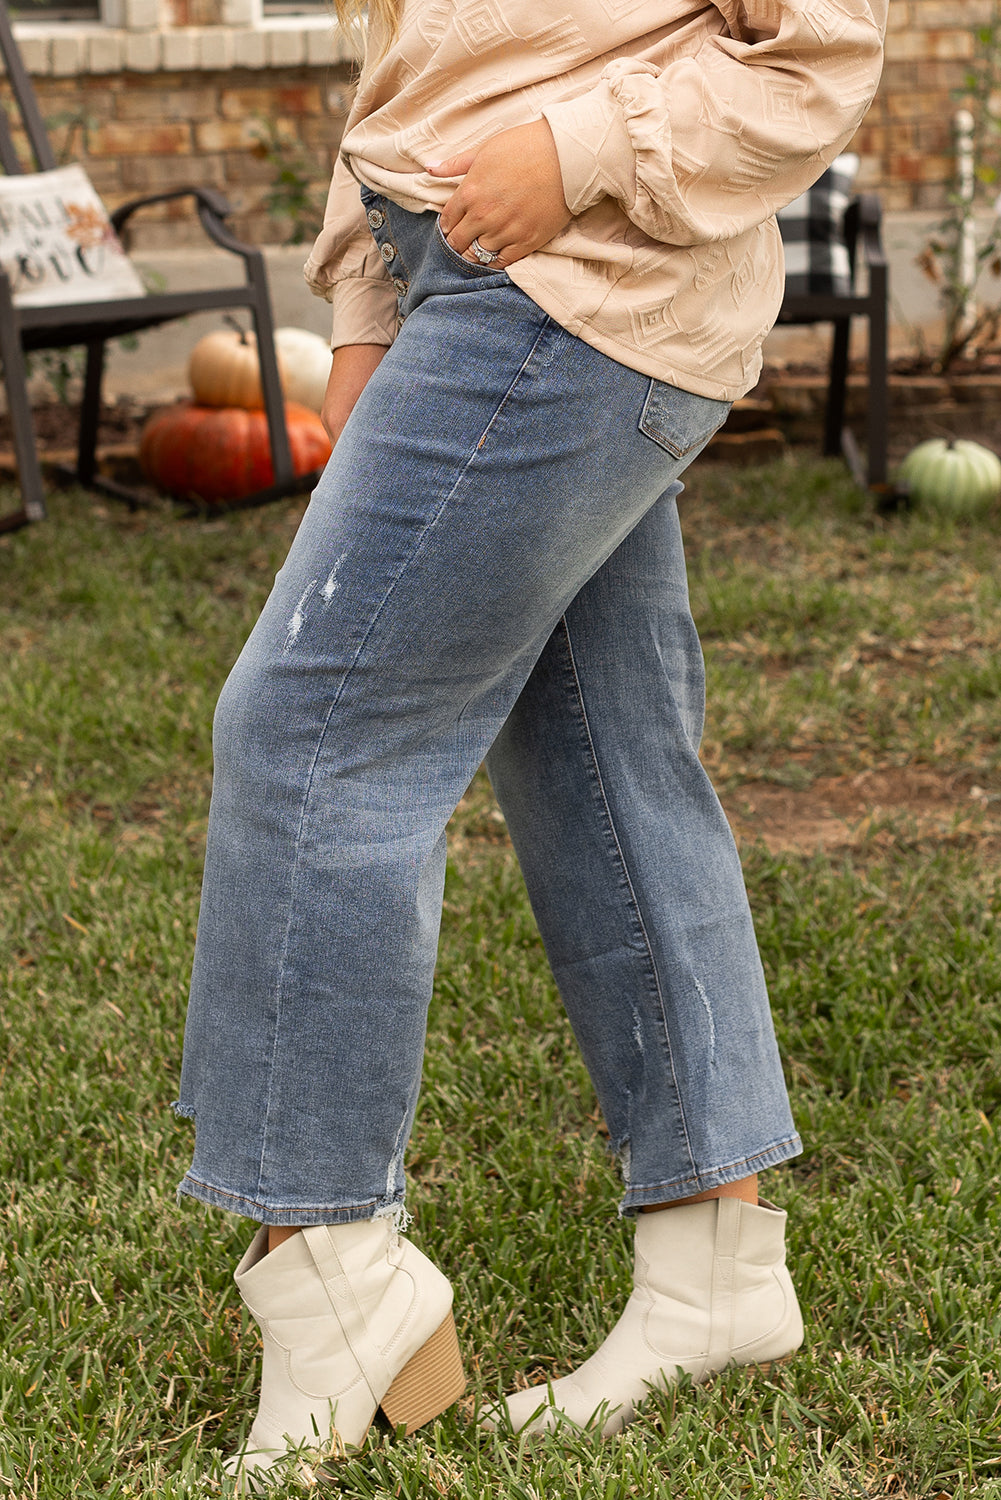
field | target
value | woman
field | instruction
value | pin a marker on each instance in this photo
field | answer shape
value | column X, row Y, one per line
column 552, row 257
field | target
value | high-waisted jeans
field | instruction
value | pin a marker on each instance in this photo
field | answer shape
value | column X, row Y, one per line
column 491, row 566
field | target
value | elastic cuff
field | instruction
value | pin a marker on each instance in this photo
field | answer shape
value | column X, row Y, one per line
column 597, row 157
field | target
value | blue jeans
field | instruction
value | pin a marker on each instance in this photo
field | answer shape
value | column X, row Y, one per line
column 491, row 566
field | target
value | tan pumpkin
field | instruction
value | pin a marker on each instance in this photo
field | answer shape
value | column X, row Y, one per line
column 223, row 370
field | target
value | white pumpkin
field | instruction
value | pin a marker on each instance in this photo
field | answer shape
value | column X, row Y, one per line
column 952, row 476
column 306, row 358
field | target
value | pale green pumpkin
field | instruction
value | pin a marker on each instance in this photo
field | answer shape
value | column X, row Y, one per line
column 954, row 477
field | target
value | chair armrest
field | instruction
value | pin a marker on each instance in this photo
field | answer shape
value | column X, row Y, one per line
column 213, row 209
column 213, row 202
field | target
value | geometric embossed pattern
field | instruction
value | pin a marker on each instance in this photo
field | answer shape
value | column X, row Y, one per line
column 681, row 128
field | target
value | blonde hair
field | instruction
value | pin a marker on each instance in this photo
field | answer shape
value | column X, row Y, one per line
column 383, row 17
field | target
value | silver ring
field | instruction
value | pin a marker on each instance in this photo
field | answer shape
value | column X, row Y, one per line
column 485, row 257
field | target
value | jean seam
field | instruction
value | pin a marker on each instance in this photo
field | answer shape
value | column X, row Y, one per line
column 212, row 1194
column 620, row 855
column 742, row 1164
column 308, row 786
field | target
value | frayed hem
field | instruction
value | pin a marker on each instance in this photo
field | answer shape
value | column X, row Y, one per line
column 399, row 1213
column 184, row 1111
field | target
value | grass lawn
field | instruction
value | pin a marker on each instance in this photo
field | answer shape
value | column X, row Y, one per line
column 855, row 668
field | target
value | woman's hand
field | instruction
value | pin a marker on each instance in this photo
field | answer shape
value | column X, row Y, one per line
column 349, row 374
column 511, row 197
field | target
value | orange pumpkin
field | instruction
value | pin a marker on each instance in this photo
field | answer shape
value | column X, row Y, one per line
column 215, row 454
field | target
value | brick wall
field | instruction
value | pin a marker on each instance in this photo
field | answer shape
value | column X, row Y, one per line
column 906, row 140
column 140, row 133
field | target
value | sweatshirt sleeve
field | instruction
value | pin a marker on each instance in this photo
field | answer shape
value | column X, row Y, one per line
column 346, row 268
column 716, row 142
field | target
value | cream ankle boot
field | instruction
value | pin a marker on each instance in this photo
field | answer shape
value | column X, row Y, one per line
column 353, row 1318
column 710, row 1289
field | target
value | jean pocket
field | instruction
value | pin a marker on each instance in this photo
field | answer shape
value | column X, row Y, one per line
column 679, row 421
column 472, row 268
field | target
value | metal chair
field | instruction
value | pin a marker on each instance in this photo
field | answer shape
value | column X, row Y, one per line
column 92, row 324
column 863, row 237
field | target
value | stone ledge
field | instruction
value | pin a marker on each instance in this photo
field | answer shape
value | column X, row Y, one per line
column 69, row 49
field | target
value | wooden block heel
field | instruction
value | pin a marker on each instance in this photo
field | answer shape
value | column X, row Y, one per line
column 428, row 1383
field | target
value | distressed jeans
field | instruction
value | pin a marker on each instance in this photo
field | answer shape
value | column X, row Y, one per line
column 491, row 566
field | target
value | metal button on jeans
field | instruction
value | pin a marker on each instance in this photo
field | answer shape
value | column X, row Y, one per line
column 401, row 286
column 375, row 218
column 388, row 251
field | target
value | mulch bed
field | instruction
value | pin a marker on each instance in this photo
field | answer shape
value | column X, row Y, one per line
column 56, row 425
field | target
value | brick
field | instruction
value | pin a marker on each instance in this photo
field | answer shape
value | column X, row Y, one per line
column 155, row 103
column 112, row 199
column 945, row 76
column 278, row 98
column 114, row 139
column 902, row 46
column 935, row 46
column 150, row 174
column 105, row 175
column 59, row 93
column 183, row 235
column 941, row 14
column 242, row 168
column 257, row 228
column 322, row 135
column 943, row 45
column 934, row 136
column 225, row 135
column 906, row 106
column 195, row 12
column 235, row 104
column 906, row 168
column 300, row 99
column 874, row 140
column 897, row 197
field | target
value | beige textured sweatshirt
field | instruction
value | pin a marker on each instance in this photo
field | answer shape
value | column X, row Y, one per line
column 681, row 128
